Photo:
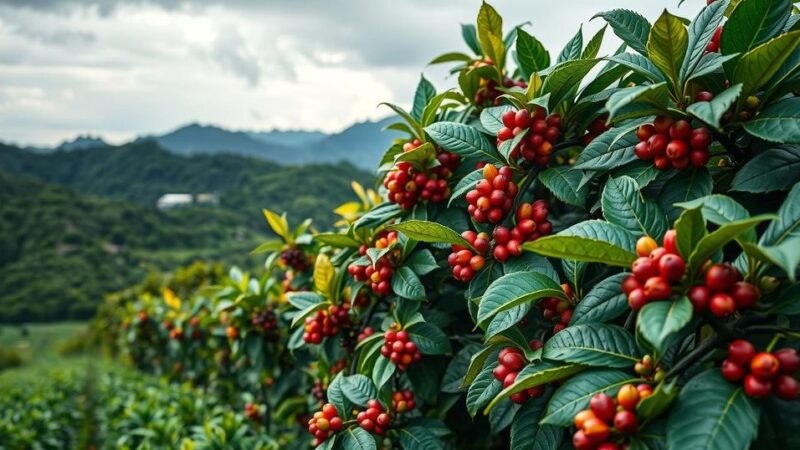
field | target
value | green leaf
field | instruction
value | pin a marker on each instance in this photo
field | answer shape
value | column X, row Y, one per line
column 459, row 365
column 357, row 438
column 424, row 231
column 429, row 338
column 531, row 54
column 515, row 289
column 526, row 433
column 656, row 95
column 490, row 34
column 701, row 30
column 610, row 150
column 359, row 389
column 604, row 303
column 501, row 417
column 685, row 186
column 775, row 169
column 784, row 255
column 382, row 371
column 462, row 140
column 778, row 122
column 269, row 246
column 507, row 146
column 406, row 284
column 533, row 375
column 564, row 184
column 639, row 64
column 572, row 50
column 480, row 357
column 658, row 402
column 757, row 66
column 593, row 46
column 712, row 414
column 710, row 63
column 492, row 118
column 659, row 320
column 712, row 112
column 466, row 184
column 470, row 35
column 590, row 241
column 643, row 172
column 336, row 395
column 483, row 389
column 752, row 23
column 629, row 26
column 424, row 93
column 667, row 46
column 720, row 237
column 623, row 205
column 690, row 229
column 573, row 396
column 337, row 240
column 451, row 57
column 564, row 80
column 418, row 438
column 593, row 344
column 422, row 262
column 378, row 215
column 718, row 209
column 302, row 300
column 412, row 123
column 788, row 223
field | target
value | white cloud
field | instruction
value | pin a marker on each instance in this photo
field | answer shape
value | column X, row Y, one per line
column 125, row 68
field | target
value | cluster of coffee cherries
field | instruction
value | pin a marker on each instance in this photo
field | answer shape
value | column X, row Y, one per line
column 379, row 274
column 407, row 185
column 762, row 372
column 318, row 391
column 400, row 349
column 324, row 423
column 374, row 418
column 252, row 412
column 607, row 416
column 654, row 271
column 724, row 292
column 543, row 130
column 558, row 310
column 645, row 368
column 511, row 360
column 488, row 94
column 326, row 323
column 464, row 262
column 232, row 332
column 365, row 333
column 295, row 258
column 493, row 196
column 265, row 320
column 531, row 224
column 194, row 324
column 403, row 401
column 670, row 143
column 596, row 128
column 176, row 333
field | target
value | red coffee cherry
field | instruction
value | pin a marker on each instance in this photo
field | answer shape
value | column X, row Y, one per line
column 788, row 359
column 732, row 371
column 324, row 423
column 628, row 397
column 582, row 417
column 644, row 268
column 745, row 294
column 785, row 387
column 625, row 422
column 645, row 245
column 670, row 242
column 721, row 277
column 603, row 407
column 756, row 388
column 700, row 296
column 657, row 288
column 722, row 305
column 581, row 442
column 671, row 267
column 596, row 430
column 403, row 401
column 764, row 365
column 741, row 352
column 637, row 299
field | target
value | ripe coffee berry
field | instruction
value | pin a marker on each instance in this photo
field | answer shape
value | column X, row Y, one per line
column 295, row 258
column 670, row 143
column 542, row 131
column 594, row 425
column 464, row 261
column 723, row 292
column 403, row 401
column 324, row 423
column 713, row 44
column 721, row 277
column 493, row 196
column 326, row 323
column 232, row 333
column 252, row 412
column 654, row 271
column 378, row 276
column 557, row 309
column 763, row 372
column 365, row 333
column 788, row 360
column 489, row 94
column 374, row 418
column 399, row 348
column 510, row 362
column 407, row 185
column 596, row 128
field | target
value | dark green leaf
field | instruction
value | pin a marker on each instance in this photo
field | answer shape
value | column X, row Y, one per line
column 593, row 344
column 492, row 118
column 701, row 30
column 667, row 45
column 712, row 112
column 629, row 26
column 659, row 320
column 483, row 389
column 775, row 169
column 424, row 231
column 713, row 242
column 623, row 205
column 779, row 122
column 358, row 388
column 687, row 185
column 429, row 338
column 462, row 140
column 564, row 184
column 515, row 289
column 757, row 66
column 531, row 54
column 424, row 93
column 357, row 438
column 536, row 374
column 605, row 302
column 690, row 229
column 406, row 284
column 753, row 22
column 564, row 80
column 572, row 50
column 526, row 433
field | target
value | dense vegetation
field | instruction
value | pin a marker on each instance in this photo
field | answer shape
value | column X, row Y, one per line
column 67, row 250
column 558, row 258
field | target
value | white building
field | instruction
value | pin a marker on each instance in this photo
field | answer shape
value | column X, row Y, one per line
column 168, row 201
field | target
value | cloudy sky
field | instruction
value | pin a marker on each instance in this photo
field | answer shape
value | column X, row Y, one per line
column 125, row 68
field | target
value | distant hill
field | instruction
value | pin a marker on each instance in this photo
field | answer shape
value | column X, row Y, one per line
column 60, row 251
column 82, row 143
column 362, row 144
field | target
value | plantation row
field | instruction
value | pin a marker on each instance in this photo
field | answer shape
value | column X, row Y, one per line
column 68, row 407
column 565, row 250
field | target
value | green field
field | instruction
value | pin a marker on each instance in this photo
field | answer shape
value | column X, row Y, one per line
column 37, row 343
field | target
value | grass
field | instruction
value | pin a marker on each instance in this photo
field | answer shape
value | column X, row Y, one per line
column 38, row 342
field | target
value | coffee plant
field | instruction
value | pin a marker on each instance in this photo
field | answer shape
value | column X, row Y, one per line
column 565, row 250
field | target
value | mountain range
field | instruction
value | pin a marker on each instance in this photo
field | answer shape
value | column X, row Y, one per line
column 361, row 144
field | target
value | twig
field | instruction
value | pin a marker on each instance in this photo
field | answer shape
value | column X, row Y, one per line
column 696, row 354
